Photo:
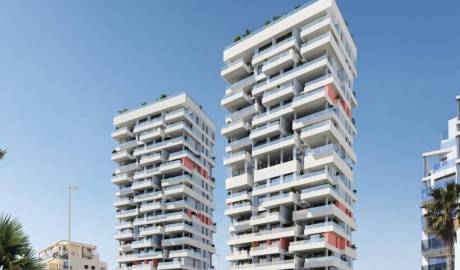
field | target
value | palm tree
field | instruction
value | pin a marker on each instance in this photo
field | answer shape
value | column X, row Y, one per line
column 442, row 217
column 16, row 252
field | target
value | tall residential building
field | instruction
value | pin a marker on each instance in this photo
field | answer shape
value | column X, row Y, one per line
column 290, row 137
column 82, row 257
column 165, row 186
column 440, row 168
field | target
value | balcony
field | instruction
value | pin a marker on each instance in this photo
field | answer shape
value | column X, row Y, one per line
column 159, row 146
column 171, row 217
column 238, row 144
column 433, row 247
column 239, row 208
column 238, row 196
column 316, row 44
column 127, row 168
column 151, row 206
column 124, row 235
column 313, row 118
column 181, row 114
column 317, row 98
column 443, row 166
column 268, row 217
column 124, row 225
column 123, row 202
column 180, row 253
column 122, row 156
column 149, row 255
column 175, row 264
column 280, row 199
column 280, row 61
column 178, row 227
column 284, row 92
column 123, row 178
column 272, row 114
column 123, row 191
column 236, row 70
column 323, row 227
column 242, row 113
column 278, row 144
column 437, row 266
column 240, row 226
column 122, row 133
column 172, row 166
column 319, row 192
column 144, row 184
column 309, row 245
column 146, row 173
column 148, row 196
column 142, row 267
column 275, row 49
column 328, row 154
column 298, row 181
column 180, row 179
column 235, row 99
column 238, row 255
column 128, row 145
column 145, row 243
column 127, row 213
column 267, row 130
column 238, row 157
column 151, row 135
column 265, row 235
column 150, row 159
column 240, row 181
column 322, row 211
column 314, row 134
column 234, row 128
column 315, row 66
column 264, row 249
column 288, row 167
column 151, row 124
column 153, row 230
column 271, row 265
column 314, row 26
column 328, row 262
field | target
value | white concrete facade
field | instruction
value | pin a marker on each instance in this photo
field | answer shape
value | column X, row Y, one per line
column 290, row 134
column 82, row 256
column 164, row 203
column 440, row 168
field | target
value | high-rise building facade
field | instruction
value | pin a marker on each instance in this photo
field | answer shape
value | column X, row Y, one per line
column 440, row 168
column 165, row 185
column 82, row 256
column 290, row 134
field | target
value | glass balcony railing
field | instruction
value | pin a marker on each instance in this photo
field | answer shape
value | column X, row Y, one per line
column 277, row 45
column 273, row 59
column 239, row 61
column 442, row 165
column 280, row 140
column 281, row 75
column 432, row 244
column 437, row 266
column 315, row 39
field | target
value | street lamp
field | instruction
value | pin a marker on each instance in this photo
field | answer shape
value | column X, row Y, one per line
column 71, row 188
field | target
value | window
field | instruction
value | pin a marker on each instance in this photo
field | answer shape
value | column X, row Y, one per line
column 86, row 266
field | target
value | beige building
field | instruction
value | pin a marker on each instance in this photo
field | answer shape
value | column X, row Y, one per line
column 82, row 256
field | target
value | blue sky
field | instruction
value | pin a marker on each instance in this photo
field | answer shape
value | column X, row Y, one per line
column 66, row 67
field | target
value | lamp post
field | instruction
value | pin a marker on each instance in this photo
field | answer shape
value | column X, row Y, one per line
column 71, row 188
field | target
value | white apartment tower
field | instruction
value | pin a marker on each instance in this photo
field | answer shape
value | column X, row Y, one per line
column 165, row 186
column 290, row 137
column 440, row 168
